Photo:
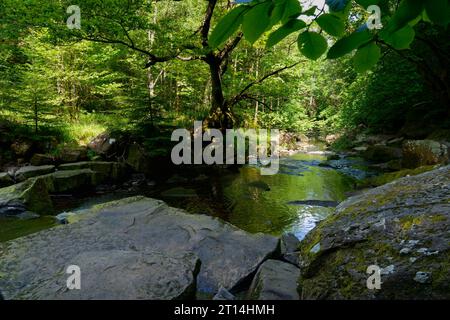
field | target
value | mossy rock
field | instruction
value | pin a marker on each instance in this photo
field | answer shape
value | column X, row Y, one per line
column 33, row 193
column 377, row 181
column 403, row 227
column 33, row 171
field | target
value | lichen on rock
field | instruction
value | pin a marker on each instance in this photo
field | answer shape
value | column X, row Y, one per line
column 401, row 226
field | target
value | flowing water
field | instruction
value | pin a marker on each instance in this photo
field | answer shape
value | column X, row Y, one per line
column 303, row 192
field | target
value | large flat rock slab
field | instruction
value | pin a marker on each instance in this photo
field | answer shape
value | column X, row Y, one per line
column 122, row 275
column 33, row 171
column 228, row 255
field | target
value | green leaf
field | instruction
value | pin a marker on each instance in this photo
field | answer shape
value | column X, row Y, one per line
column 312, row 45
column 331, row 24
column 400, row 39
column 285, row 30
column 292, row 10
column 277, row 12
column 366, row 3
column 256, row 21
column 366, row 57
column 311, row 11
column 407, row 11
column 227, row 26
column 349, row 43
column 438, row 11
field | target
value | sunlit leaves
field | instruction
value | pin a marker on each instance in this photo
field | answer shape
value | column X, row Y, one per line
column 312, row 45
column 256, row 21
column 227, row 26
column 310, row 12
column 292, row 10
column 349, row 43
column 285, row 30
column 331, row 24
column 366, row 57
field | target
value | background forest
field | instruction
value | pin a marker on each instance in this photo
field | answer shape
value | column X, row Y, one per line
column 75, row 85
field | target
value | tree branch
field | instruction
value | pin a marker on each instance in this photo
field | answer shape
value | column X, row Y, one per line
column 249, row 97
column 204, row 30
column 240, row 95
column 230, row 46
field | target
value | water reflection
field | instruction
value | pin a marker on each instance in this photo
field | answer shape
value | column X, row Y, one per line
column 258, row 209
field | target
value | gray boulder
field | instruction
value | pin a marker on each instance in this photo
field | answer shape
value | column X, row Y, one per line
column 289, row 248
column 275, row 280
column 224, row 294
column 34, row 193
column 32, row 171
column 72, row 154
column 402, row 227
column 229, row 256
column 31, row 195
column 102, row 144
column 120, row 274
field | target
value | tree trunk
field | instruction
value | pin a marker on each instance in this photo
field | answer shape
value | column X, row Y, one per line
column 220, row 115
column 151, row 82
column 36, row 119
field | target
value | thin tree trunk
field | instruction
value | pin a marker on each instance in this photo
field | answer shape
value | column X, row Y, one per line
column 36, row 119
column 151, row 83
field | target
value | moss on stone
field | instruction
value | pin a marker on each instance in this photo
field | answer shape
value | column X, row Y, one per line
column 391, row 176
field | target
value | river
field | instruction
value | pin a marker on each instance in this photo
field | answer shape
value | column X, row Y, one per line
column 304, row 191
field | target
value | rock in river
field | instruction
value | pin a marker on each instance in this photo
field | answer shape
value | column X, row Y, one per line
column 32, row 171
column 275, row 280
column 34, row 193
column 228, row 255
column 402, row 227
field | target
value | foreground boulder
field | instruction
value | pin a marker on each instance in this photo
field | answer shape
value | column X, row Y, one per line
column 275, row 280
column 418, row 153
column 121, row 274
column 228, row 255
column 402, row 227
